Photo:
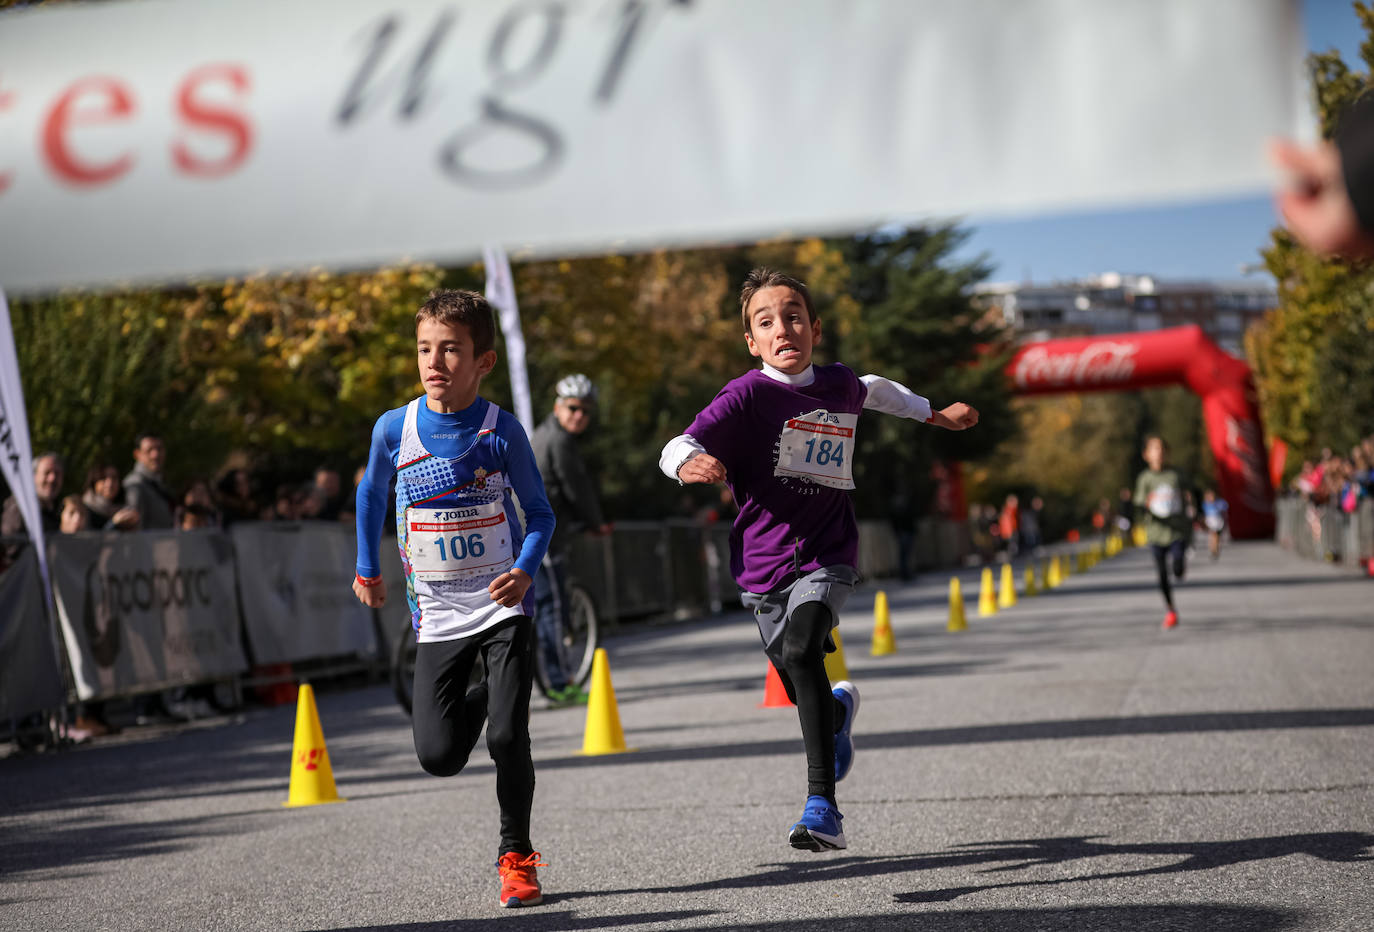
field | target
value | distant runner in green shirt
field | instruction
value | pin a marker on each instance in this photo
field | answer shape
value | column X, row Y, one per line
column 1164, row 501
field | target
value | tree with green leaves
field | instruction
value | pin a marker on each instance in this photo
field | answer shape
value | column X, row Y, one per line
column 903, row 311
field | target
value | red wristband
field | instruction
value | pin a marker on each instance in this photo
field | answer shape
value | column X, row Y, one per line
column 369, row 583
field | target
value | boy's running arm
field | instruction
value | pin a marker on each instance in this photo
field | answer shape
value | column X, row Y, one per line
column 510, row 587
column 371, row 515
column 686, row 460
column 686, row 457
column 891, row 397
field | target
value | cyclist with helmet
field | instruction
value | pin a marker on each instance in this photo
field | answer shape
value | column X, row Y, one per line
column 576, row 507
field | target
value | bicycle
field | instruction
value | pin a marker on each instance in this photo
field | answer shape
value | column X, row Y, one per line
column 577, row 647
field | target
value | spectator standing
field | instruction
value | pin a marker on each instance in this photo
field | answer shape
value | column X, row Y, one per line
column 576, row 507
column 73, row 517
column 1031, row 534
column 197, row 496
column 1009, row 525
column 327, row 489
column 235, row 497
column 47, row 483
column 144, row 488
column 102, row 499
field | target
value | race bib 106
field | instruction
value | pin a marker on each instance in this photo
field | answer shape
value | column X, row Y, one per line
column 819, row 446
column 458, row 543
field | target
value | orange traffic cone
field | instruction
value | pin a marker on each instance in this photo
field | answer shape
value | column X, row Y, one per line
column 312, row 779
column 774, row 693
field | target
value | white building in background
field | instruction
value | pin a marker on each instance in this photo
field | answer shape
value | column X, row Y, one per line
column 1116, row 303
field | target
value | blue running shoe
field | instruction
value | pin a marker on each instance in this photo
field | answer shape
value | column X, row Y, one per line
column 821, row 827
column 848, row 694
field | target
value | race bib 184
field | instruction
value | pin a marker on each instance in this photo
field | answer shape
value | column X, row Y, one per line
column 819, row 446
column 458, row 543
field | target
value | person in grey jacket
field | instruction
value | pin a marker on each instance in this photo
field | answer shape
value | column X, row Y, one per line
column 145, row 491
column 576, row 507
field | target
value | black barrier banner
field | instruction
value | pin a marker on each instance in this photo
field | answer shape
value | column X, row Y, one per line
column 296, row 583
column 30, row 678
column 146, row 611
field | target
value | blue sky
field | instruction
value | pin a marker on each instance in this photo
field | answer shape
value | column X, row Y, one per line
column 1211, row 239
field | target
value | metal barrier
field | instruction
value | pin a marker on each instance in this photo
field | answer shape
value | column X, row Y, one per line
column 681, row 568
column 1324, row 532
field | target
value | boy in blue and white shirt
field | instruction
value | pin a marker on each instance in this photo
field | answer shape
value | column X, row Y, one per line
column 468, row 563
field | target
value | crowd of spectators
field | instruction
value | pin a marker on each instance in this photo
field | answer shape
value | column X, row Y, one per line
column 1338, row 481
column 143, row 499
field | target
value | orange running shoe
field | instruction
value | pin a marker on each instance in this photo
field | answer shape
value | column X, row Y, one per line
column 520, row 879
column 1171, row 620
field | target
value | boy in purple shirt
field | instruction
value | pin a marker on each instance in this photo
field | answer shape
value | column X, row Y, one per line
column 782, row 439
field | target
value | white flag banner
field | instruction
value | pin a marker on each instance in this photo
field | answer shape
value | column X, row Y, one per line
column 171, row 139
column 16, row 451
column 501, row 295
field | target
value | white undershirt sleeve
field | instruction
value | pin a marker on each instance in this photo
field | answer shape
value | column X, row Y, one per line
column 676, row 452
column 891, row 397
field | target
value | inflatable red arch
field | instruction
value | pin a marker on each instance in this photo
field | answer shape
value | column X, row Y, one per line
column 1178, row 355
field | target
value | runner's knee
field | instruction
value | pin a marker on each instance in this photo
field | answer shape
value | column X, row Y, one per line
column 439, row 758
column 505, row 742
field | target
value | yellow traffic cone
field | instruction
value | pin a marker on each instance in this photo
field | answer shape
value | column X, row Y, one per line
column 1032, row 585
column 312, row 779
column 603, row 734
column 987, row 598
column 835, row 667
column 1006, row 593
column 1054, row 576
column 956, row 607
column 883, row 641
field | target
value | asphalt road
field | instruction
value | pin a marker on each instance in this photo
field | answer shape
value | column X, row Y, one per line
column 1065, row 764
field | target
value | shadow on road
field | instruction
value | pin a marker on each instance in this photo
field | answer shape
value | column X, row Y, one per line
column 1022, row 854
column 540, row 919
column 1187, row 723
column 1213, row 917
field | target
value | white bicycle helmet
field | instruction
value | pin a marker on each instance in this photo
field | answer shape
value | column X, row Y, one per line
column 576, row 385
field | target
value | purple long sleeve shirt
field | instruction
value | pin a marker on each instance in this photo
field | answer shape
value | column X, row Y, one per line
column 785, row 524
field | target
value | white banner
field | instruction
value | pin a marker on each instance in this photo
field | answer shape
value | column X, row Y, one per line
column 16, row 450
column 146, row 611
column 170, row 139
column 501, row 295
column 295, row 582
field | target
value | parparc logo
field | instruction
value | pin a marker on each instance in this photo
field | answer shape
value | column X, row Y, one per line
column 1102, row 363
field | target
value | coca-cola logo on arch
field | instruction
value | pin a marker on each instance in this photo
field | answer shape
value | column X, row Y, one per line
column 1101, row 363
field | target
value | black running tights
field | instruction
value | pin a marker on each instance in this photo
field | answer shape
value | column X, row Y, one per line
column 803, row 676
column 448, row 716
column 1162, row 554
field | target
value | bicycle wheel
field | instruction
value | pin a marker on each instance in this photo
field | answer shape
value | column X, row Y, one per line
column 582, row 637
column 403, row 668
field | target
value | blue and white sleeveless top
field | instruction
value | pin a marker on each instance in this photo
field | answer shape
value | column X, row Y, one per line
column 457, row 530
